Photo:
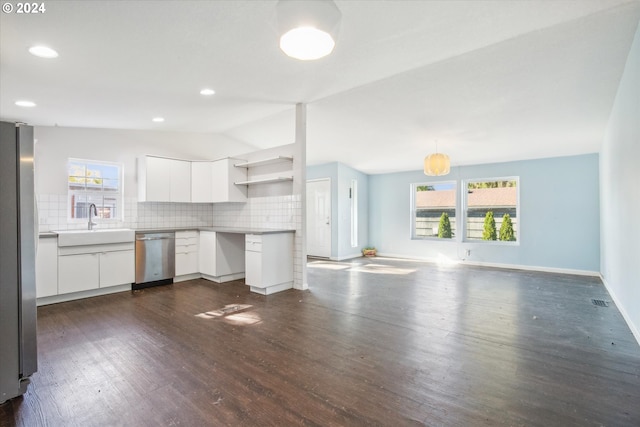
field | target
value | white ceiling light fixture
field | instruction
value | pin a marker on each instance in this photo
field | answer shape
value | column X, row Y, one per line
column 43, row 52
column 158, row 119
column 437, row 164
column 207, row 92
column 307, row 29
column 24, row 103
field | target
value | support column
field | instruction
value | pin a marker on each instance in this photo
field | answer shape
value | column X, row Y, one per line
column 300, row 188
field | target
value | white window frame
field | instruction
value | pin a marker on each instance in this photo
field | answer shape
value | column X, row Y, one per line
column 117, row 195
column 464, row 210
column 413, row 211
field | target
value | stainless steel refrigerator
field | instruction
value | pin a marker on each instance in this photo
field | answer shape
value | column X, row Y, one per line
column 18, row 348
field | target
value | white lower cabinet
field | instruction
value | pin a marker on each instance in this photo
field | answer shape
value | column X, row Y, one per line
column 79, row 272
column 47, row 267
column 253, row 269
column 83, row 268
column 117, row 268
column 186, row 253
column 269, row 262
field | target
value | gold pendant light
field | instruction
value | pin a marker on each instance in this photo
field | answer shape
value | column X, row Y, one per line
column 437, row 164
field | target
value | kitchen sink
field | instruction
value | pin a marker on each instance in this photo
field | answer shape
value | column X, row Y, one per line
column 95, row 236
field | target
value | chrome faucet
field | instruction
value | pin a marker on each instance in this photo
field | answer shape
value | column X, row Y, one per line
column 95, row 212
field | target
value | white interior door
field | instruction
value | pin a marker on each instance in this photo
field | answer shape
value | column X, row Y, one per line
column 319, row 218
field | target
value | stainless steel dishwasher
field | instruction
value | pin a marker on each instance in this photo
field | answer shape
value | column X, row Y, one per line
column 155, row 259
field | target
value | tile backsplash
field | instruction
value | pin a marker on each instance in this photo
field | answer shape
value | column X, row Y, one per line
column 257, row 212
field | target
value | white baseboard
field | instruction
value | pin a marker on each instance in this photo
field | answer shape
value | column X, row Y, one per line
column 335, row 258
column 272, row 289
column 496, row 265
column 54, row 299
column 342, row 258
column 634, row 330
column 536, row 268
column 186, row 277
column 224, row 278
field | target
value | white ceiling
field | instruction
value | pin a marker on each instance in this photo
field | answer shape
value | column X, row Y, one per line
column 489, row 80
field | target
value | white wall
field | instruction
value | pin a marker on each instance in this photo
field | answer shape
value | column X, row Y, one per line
column 620, row 195
column 55, row 145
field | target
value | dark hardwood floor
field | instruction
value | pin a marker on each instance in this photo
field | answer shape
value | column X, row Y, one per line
column 373, row 342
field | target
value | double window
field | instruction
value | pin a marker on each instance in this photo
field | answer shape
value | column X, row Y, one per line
column 490, row 210
column 93, row 182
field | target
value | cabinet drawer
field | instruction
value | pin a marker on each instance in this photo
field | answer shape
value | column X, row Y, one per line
column 186, row 249
column 187, row 240
column 253, row 242
column 185, row 243
column 186, row 237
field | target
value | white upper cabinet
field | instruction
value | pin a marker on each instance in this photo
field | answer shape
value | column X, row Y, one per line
column 224, row 176
column 201, row 182
column 154, row 179
column 214, row 182
column 180, row 181
column 163, row 180
column 170, row 180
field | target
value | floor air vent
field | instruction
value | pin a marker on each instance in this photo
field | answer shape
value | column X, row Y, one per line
column 600, row 302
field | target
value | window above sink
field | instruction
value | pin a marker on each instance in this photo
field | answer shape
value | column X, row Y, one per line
column 97, row 182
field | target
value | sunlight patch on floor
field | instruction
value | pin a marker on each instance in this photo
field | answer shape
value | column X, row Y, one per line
column 360, row 268
column 445, row 260
column 329, row 265
column 235, row 314
column 382, row 269
column 243, row 319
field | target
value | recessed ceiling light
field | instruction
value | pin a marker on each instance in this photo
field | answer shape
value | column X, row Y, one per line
column 43, row 52
column 207, row 92
column 25, row 103
column 158, row 119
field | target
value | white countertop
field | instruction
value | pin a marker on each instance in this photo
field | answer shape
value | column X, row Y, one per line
column 236, row 230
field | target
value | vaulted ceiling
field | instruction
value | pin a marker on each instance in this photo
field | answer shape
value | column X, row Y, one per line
column 489, row 80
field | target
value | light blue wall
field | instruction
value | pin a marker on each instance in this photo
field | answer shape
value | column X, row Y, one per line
column 345, row 175
column 620, row 194
column 341, row 176
column 558, row 219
